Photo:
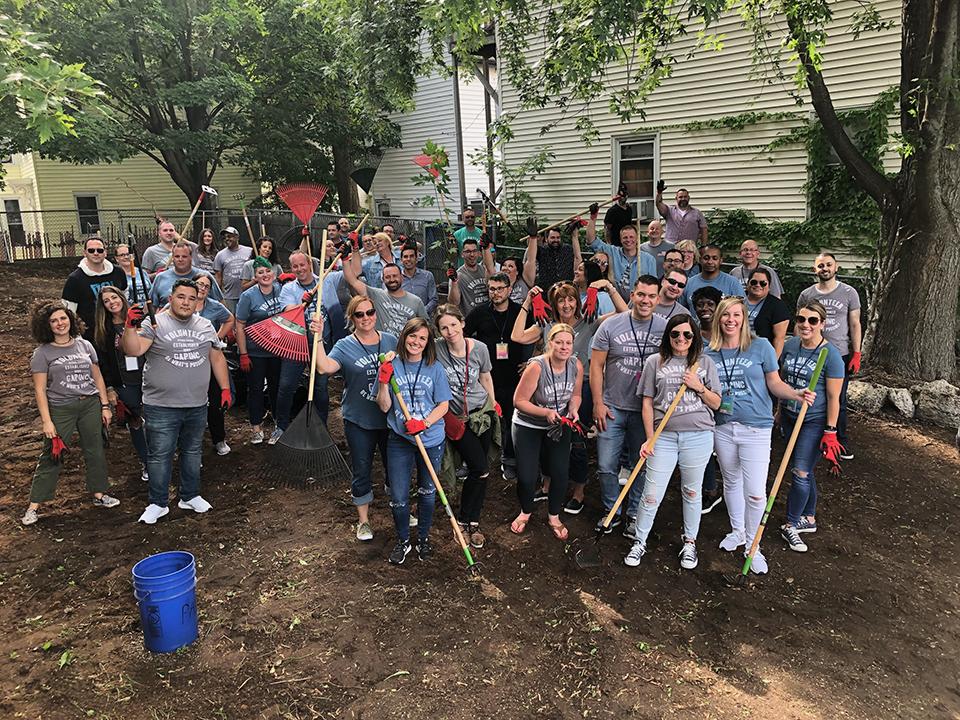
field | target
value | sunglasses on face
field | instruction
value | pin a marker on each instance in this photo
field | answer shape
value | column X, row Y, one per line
column 686, row 334
column 676, row 283
column 360, row 313
column 97, row 251
column 812, row 320
column 758, row 283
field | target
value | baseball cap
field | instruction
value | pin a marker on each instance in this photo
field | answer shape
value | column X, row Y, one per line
column 229, row 230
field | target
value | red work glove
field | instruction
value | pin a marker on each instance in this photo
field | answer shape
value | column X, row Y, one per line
column 415, row 426
column 451, row 274
column 245, row 363
column 572, row 424
column 498, row 410
column 306, row 298
column 590, row 306
column 230, row 338
column 539, row 309
column 226, row 399
column 594, row 210
column 831, row 448
column 134, row 317
column 59, row 449
column 286, row 277
column 123, row 412
column 853, row 367
column 354, row 239
column 385, row 372
column 576, row 224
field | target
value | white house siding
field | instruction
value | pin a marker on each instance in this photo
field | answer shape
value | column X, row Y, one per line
column 432, row 118
column 722, row 169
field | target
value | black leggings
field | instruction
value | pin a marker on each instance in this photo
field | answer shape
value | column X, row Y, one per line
column 473, row 450
column 556, row 464
column 215, row 422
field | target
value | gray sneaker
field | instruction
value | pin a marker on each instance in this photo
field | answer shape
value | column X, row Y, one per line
column 635, row 555
column 256, row 438
column 29, row 517
column 275, row 436
column 688, row 556
column 364, row 532
column 106, row 501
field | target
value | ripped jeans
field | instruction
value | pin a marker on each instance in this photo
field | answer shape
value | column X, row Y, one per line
column 402, row 454
column 691, row 451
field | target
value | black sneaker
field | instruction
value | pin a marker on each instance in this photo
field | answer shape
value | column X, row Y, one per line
column 710, row 502
column 847, row 452
column 400, row 553
column 540, row 495
column 607, row 530
column 573, row 506
column 424, row 549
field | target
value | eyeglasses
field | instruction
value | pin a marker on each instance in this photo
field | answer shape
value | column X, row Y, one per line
column 676, row 283
column 687, row 335
column 498, row 288
column 758, row 283
column 97, row 251
column 360, row 313
column 811, row 320
column 123, row 255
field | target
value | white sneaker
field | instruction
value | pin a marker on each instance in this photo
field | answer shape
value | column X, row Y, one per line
column 196, row 503
column 759, row 564
column 222, row 448
column 153, row 513
column 688, row 556
column 257, row 437
column 733, row 540
column 106, row 501
column 274, row 436
column 364, row 532
column 624, row 475
column 635, row 555
column 29, row 517
column 413, row 520
column 144, row 475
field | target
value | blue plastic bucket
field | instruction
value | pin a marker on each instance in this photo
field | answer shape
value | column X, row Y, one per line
column 165, row 588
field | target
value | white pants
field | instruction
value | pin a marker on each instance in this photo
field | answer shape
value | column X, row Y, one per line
column 744, row 455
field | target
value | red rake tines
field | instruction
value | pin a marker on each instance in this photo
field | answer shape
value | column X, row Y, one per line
column 284, row 334
column 425, row 161
column 303, row 199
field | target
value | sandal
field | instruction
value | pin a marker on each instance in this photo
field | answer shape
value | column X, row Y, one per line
column 559, row 530
column 476, row 537
column 519, row 525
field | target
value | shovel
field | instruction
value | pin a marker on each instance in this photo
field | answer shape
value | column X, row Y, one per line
column 589, row 556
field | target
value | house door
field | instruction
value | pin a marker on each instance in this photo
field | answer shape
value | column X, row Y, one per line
column 13, row 224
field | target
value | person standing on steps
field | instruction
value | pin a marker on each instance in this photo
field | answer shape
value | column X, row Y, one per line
column 656, row 246
column 686, row 439
column 750, row 261
column 468, row 283
column 357, row 356
column 553, row 261
column 672, row 285
column 749, row 376
column 627, row 260
column 71, row 397
column 84, row 284
column 180, row 349
column 672, row 260
column 619, row 350
column 228, row 266
column 711, row 258
column 617, row 216
column 683, row 220
column 842, row 329
column 818, row 434
column 423, row 386
column 546, row 403
column 417, row 281
column 769, row 316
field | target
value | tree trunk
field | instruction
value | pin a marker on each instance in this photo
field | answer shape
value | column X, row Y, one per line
column 346, row 187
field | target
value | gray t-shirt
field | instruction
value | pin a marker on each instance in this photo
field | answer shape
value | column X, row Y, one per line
column 668, row 311
column 553, row 391
column 477, row 362
column 657, row 252
column 229, row 263
column 628, row 342
column 473, row 287
column 394, row 312
column 838, row 303
column 155, row 257
column 177, row 370
column 743, row 275
column 661, row 382
column 69, row 370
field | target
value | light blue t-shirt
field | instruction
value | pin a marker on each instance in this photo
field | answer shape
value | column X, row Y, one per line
column 359, row 364
column 726, row 284
column 798, row 363
column 215, row 312
column 423, row 387
column 164, row 281
column 744, row 384
column 292, row 294
column 254, row 306
column 626, row 270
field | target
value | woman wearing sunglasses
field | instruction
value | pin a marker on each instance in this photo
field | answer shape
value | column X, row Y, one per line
column 364, row 424
column 818, row 434
column 768, row 315
column 687, row 438
column 749, row 375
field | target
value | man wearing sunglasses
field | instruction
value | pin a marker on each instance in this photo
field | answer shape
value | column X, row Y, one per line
column 842, row 328
column 672, row 285
column 750, row 261
column 83, row 285
column 768, row 315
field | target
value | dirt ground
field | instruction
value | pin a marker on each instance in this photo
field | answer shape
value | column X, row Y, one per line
column 299, row 620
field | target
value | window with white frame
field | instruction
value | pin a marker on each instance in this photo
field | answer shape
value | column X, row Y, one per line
column 88, row 212
column 635, row 165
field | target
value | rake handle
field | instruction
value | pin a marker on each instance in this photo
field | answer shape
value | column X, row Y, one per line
column 433, row 473
column 186, row 226
column 316, row 336
column 575, row 215
column 246, row 220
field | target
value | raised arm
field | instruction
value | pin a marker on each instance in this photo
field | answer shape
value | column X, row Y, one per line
column 521, row 333
column 351, row 273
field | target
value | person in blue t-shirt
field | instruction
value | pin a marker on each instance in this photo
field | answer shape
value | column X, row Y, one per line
column 818, row 434
column 749, row 375
column 711, row 258
column 425, row 390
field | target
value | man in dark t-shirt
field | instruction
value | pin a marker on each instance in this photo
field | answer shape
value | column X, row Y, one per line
column 619, row 215
column 82, row 288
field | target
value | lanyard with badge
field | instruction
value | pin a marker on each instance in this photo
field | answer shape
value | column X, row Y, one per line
column 641, row 350
column 799, row 363
column 503, row 349
column 726, row 398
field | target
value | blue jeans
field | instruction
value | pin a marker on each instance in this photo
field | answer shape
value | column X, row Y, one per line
column 624, row 433
column 291, row 372
column 167, row 430
column 262, row 369
column 691, row 451
column 402, row 455
column 362, row 442
column 132, row 396
column 802, row 499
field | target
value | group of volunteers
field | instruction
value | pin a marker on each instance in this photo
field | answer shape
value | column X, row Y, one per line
column 530, row 361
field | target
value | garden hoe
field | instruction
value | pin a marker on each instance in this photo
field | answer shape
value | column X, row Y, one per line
column 737, row 581
column 587, row 557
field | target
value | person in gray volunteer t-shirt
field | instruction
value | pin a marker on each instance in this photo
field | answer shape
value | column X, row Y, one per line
column 180, row 349
column 687, row 436
column 394, row 305
column 468, row 284
column 620, row 346
column 228, row 266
